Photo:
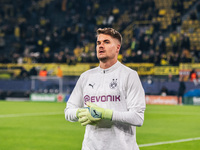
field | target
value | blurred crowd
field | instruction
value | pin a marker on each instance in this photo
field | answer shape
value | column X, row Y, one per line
column 147, row 49
column 63, row 31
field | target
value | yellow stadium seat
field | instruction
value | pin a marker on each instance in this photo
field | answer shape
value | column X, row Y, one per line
column 162, row 12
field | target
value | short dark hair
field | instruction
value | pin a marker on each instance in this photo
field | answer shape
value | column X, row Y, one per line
column 110, row 31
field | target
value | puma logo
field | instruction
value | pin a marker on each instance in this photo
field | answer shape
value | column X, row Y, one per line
column 95, row 113
column 92, row 85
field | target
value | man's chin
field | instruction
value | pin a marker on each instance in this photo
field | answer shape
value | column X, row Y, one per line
column 103, row 59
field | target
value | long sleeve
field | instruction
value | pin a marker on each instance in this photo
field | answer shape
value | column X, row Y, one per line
column 75, row 101
column 135, row 98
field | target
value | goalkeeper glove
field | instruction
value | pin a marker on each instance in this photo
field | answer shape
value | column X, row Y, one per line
column 105, row 113
column 93, row 114
column 79, row 111
column 85, row 117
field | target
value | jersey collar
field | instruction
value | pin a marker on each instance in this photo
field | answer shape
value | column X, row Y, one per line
column 110, row 69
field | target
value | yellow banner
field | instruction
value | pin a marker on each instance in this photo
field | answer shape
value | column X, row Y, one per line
column 76, row 70
column 68, row 70
column 166, row 70
column 189, row 66
column 186, row 68
column 142, row 68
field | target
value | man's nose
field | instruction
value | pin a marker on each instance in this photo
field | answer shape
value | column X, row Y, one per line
column 101, row 45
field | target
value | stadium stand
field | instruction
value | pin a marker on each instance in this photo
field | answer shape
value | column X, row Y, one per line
column 30, row 32
column 164, row 33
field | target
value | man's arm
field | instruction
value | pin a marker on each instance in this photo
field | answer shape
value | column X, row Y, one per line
column 75, row 102
column 132, row 117
column 136, row 105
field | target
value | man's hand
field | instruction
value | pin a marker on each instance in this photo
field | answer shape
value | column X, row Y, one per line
column 93, row 114
column 96, row 110
column 85, row 117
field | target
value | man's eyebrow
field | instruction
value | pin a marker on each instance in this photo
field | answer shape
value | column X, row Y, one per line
column 106, row 40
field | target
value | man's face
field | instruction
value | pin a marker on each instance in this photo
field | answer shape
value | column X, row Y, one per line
column 107, row 47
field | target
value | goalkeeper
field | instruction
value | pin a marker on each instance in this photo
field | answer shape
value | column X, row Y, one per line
column 109, row 99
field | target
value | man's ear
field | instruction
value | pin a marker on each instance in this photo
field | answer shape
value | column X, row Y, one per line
column 118, row 47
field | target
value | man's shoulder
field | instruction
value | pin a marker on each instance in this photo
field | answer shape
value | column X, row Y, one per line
column 90, row 71
column 127, row 69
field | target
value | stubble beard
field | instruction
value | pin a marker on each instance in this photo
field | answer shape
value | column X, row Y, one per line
column 103, row 59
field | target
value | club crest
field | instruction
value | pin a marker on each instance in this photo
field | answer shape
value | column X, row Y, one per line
column 113, row 84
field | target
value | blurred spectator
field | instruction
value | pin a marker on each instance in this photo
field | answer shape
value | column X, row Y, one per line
column 134, row 44
column 23, row 74
column 2, row 44
column 174, row 38
column 43, row 73
column 176, row 21
column 127, row 58
column 164, row 60
column 151, row 56
column 194, row 77
column 164, row 91
column 170, row 77
column 185, row 56
column 152, row 45
column 198, row 11
column 4, row 59
column 59, row 72
column 72, row 60
column 157, row 58
column 144, row 44
column 176, row 59
column 173, row 59
column 193, row 15
column 138, row 57
column 196, row 54
column 178, row 5
column 17, row 32
column 77, row 52
column 33, row 72
column 161, row 46
column 181, row 90
column 185, row 42
column 115, row 12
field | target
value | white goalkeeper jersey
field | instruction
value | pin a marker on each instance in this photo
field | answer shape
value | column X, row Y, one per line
column 117, row 88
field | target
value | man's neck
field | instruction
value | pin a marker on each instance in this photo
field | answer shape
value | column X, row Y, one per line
column 107, row 64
